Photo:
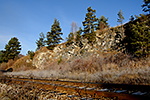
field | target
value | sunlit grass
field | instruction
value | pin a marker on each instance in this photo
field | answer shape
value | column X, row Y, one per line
column 108, row 68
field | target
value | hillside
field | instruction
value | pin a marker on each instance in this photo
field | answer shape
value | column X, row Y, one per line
column 104, row 61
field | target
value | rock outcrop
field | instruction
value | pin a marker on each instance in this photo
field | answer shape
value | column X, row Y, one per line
column 106, row 41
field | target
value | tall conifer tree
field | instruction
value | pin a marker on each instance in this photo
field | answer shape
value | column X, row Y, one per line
column 146, row 6
column 41, row 41
column 102, row 23
column 12, row 49
column 90, row 25
column 137, row 40
column 70, row 38
column 78, row 37
column 53, row 37
column 121, row 18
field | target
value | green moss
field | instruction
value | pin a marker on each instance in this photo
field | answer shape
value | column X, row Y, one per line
column 82, row 51
column 60, row 60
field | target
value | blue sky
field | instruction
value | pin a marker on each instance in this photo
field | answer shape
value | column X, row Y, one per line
column 26, row 19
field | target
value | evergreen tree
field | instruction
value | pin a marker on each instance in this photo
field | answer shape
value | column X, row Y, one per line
column 137, row 39
column 121, row 18
column 53, row 37
column 41, row 41
column 90, row 25
column 31, row 53
column 146, row 6
column 132, row 18
column 137, row 16
column 102, row 23
column 70, row 38
column 12, row 49
column 120, row 31
column 1, row 58
column 78, row 36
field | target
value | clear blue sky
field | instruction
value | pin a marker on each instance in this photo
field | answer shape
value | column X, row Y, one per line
column 26, row 19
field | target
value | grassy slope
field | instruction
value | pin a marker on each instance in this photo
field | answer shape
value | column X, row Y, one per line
column 23, row 64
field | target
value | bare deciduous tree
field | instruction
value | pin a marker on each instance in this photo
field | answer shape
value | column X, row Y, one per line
column 74, row 28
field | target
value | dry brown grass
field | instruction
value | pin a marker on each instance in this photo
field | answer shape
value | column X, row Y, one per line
column 6, row 65
column 42, row 49
column 107, row 68
column 3, row 66
column 23, row 64
column 10, row 62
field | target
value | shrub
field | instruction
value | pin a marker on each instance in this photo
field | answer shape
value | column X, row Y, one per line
column 3, row 66
column 10, row 62
column 108, row 68
column 60, row 60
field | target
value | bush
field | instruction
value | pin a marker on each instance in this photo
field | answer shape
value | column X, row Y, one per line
column 3, row 66
column 10, row 62
column 107, row 68
column 60, row 60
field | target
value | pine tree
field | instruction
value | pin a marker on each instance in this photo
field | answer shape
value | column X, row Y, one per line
column 137, row 16
column 53, row 37
column 102, row 23
column 1, row 58
column 120, row 31
column 121, row 18
column 31, row 53
column 78, row 37
column 70, row 38
column 12, row 49
column 138, row 37
column 146, row 6
column 90, row 25
column 132, row 18
column 41, row 41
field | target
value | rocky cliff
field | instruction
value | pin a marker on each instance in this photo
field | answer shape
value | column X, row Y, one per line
column 106, row 41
